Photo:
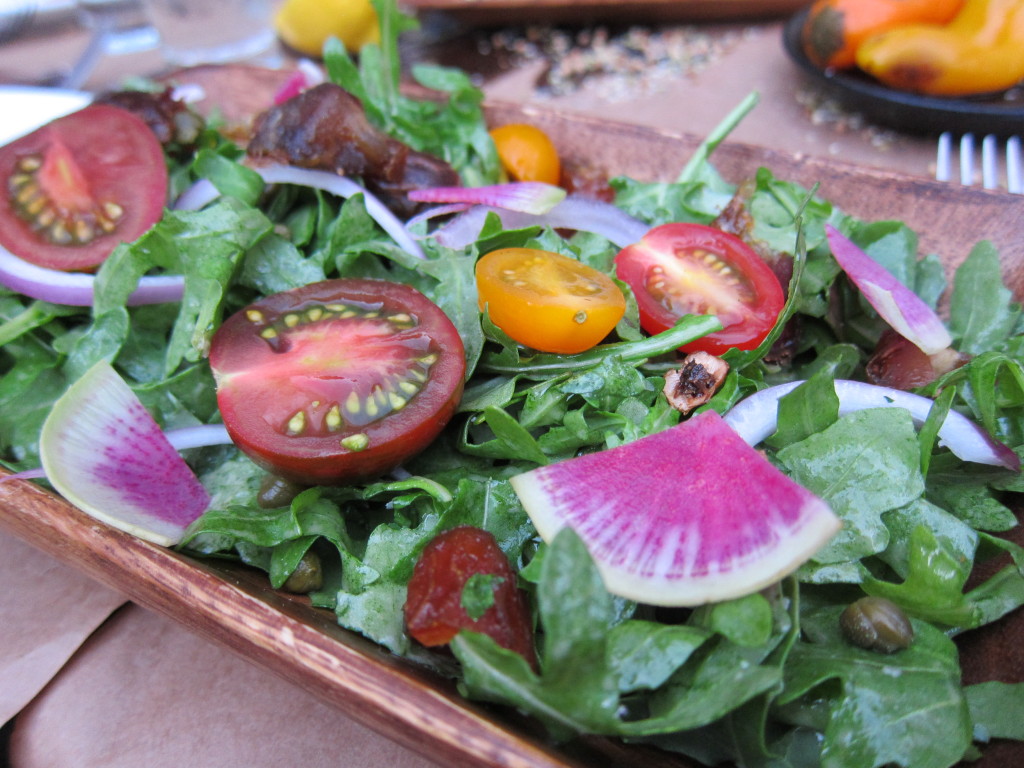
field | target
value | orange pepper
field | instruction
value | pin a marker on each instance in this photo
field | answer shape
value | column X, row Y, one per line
column 979, row 51
column 834, row 29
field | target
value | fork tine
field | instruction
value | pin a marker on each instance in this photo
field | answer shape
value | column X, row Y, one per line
column 989, row 162
column 1014, row 183
column 994, row 172
column 967, row 159
column 943, row 157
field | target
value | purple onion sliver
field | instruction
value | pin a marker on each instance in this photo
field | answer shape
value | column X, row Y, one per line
column 576, row 213
column 28, row 474
column 588, row 215
column 756, row 417
column 344, row 187
column 433, row 213
column 77, row 289
column 525, row 196
column 899, row 306
column 199, row 195
column 198, row 437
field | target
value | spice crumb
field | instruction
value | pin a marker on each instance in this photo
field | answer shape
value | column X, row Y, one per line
column 624, row 64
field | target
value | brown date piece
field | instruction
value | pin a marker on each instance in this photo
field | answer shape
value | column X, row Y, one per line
column 695, row 381
column 173, row 123
column 434, row 613
column 898, row 363
column 325, row 128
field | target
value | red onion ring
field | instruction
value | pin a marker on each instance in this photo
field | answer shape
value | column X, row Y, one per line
column 343, row 186
column 199, row 195
column 756, row 417
column 77, row 289
column 577, row 213
column 200, row 436
column 524, row 196
column 204, row 192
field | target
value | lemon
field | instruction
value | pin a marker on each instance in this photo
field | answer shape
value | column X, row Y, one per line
column 305, row 25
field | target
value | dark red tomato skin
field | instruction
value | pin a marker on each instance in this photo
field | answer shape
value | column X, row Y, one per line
column 433, row 606
column 122, row 161
column 758, row 300
column 255, row 384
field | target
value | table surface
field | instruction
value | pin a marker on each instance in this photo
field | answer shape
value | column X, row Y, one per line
column 66, row 643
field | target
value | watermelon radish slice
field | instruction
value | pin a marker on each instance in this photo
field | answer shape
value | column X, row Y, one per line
column 687, row 516
column 104, row 453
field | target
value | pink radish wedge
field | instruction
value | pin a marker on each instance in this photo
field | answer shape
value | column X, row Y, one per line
column 687, row 516
column 104, row 453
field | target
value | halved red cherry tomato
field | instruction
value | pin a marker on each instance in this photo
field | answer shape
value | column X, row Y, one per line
column 548, row 301
column 79, row 186
column 526, row 153
column 682, row 269
column 434, row 608
column 339, row 380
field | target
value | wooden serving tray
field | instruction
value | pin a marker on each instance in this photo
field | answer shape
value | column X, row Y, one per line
column 235, row 607
column 513, row 12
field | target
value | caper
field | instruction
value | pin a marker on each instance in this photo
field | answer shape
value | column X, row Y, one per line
column 877, row 624
column 276, row 492
column 308, row 575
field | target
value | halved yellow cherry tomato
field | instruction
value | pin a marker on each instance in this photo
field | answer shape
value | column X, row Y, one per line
column 526, row 153
column 547, row 301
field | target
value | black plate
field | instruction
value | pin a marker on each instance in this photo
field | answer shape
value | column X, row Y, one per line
column 1002, row 115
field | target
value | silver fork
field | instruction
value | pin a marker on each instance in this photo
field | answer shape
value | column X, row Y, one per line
column 993, row 171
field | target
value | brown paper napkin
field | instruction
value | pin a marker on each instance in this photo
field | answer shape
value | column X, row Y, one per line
column 144, row 691
column 48, row 610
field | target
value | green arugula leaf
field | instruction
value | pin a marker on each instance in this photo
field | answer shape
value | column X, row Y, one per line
column 995, row 709
column 924, row 721
column 981, row 310
column 865, row 464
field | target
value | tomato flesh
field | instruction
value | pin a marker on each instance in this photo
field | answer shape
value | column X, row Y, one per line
column 434, row 609
column 690, row 269
column 337, row 381
column 79, row 186
column 547, row 301
column 526, row 153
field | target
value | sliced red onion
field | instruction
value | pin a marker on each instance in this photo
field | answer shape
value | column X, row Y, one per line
column 756, row 417
column 190, row 93
column 77, row 289
column 344, row 187
column 306, row 75
column 435, row 212
column 200, row 436
column 293, row 86
column 577, row 213
column 104, row 453
column 899, row 306
column 199, row 195
column 524, row 196
column 27, row 474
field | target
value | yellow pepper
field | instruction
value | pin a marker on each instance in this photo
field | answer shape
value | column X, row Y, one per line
column 980, row 51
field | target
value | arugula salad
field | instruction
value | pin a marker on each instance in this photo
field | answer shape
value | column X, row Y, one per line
column 768, row 678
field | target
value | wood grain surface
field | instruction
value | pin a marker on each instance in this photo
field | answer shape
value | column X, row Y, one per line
column 505, row 12
column 236, row 608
